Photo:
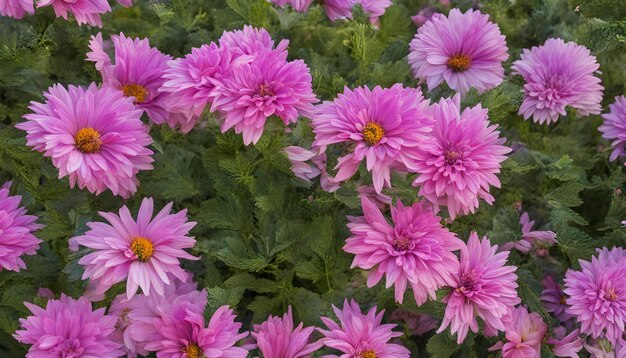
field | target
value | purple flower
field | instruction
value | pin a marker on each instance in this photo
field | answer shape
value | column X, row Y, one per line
column 415, row 250
column 557, row 75
column 299, row 157
column 424, row 15
column 465, row 50
column 85, row 11
column 68, row 328
column 361, row 335
column 565, row 345
column 16, row 8
column 524, row 333
column 614, row 128
column 554, row 299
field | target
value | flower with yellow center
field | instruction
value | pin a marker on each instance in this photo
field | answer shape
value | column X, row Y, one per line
column 193, row 351
column 459, row 62
column 143, row 248
column 610, row 295
column 139, row 92
column 367, row 354
column 372, row 133
column 87, row 140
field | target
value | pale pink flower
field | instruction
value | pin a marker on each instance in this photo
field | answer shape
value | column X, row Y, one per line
column 16, row 8
column 524, row 333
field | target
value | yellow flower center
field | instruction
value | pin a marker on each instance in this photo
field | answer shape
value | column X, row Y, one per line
column 368, row 354
column 139, row 92
column 265, row 90
column 459, row 62
column 372, row 133
column 610, row 295
column 87, row 140
column 193, row 351
column 143, row 248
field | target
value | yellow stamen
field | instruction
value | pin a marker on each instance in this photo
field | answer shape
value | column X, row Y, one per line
column 87, row 140
column 459, row 62
column 610, row 295
column 368, row 354
column 373, row 133
column 193, row 351
column 139, row 92
column 143, row 248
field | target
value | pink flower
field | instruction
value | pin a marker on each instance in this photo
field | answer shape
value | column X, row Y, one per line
column 16, row 231
column 379, row 199
column 339, row 9
column 484, row 287
column 417, row 324
column 374, row 9
column 554, row 299
column 45, row 293
column 250, row 41
column 298, row 5
column 558, row 75
column 68, row 328
column 540, row 241
column 381, row 124
column 465, row 50
column 415, row 250
column 597, row 294
column 361, row 335
column 299, row 157
column 277, row 338
column 16, row 8
column 143, row 252
column 85, row 11
column 524, row 333
column 565, row 345
column 95, row 136
column 614, row 128
column 459, row 163
column 424, row 15
column 182, row 334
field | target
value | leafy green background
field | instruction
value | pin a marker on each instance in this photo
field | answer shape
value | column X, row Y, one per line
column 268, row 240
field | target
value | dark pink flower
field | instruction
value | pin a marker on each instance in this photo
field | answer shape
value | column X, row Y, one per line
column 614, row 128
column 16, row 8
column 85, row 11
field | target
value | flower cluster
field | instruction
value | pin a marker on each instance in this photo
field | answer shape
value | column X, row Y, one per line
column 342, row 9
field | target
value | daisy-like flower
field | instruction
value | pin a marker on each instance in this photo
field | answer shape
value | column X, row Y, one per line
column 277, row 338
column 554, row 299
column 298, row 5
column 614, row 127
column 524, row 333
column 182, row 333
column 415, row 250
column 94, row 135
column 459, row 163
column 299, row 157
column 597, row 294
column 557, row 75
column 143, row 252
column 537, row 240
column 250, row 41
column 381, row 124
column 16, row 8
column 484, row 287
column 361, row 335
column 464, row 50
column 339, row 9
column 85, row 11
column 16, row 231
column 374, row 9
column 565, row 345
column 68, row 328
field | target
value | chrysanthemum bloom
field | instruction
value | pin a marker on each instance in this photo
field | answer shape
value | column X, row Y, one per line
column 558, row 75
column 277, row 338
column 68, row 328
column 484, row 287
column 524, row 333
column 182, row 334
column 137, row 72
column 250, row 41
column 417, row 324
column 95, row 136
column 256, row 90
column 85, row 11
column 565, row 345
column 597, row 294
column 465, row 50
column 16, row 231
column 614, row 127
column 339, row 9
column 459, row 163
column 554, row 299
column 298, row 5
column 142, row 251
column 16, row 8
column 374, row 9
column 382, row 124
column 299, row 157
column 415, row 250
column 537, row 240
column 361, row 335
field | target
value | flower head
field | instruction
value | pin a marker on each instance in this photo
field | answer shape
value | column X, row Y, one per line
column 16, row 8
column 361, row 335
column 381, row 124
column 597, row 294
column 85, row 11
column 68, row 328
column 250, row 41
column 143, row 252
column 484, row 287
column 459, row 163
column 415, row 250
column 538, row 240
column 374, row 9
column 557, row 75
column 554, row 299
column 339, row 9
column 465, row 50
column 614, row 127
column 299, row 157
column 565, row 345
column 16, row 231
column 277, row 338
column 298, row 5
column 94, row 135
column 524, row 333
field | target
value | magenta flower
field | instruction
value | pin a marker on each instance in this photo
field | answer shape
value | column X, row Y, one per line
column 614, row 127
column 85, row 11
column 554, row 299
column 381, row 124
column 299, row 157
column 417, row 324
column 424, row 15
column 484, row 287
column 16, row 231
column 524, row 333
column 143, row 252
column 415, row 250
column 339, row 9
column 94, row 135
column 16, row 8
column 68, row 328
column 361, row 335
column 565, row 345
column 597, row 294
column 539, row 241
column 374, row 9
column 459, row 163
column 277, row 338
column 379, row 199
column 182, row 333
column 465, row 50
column 557, row 75
column 250, row 41
column 298, row 5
